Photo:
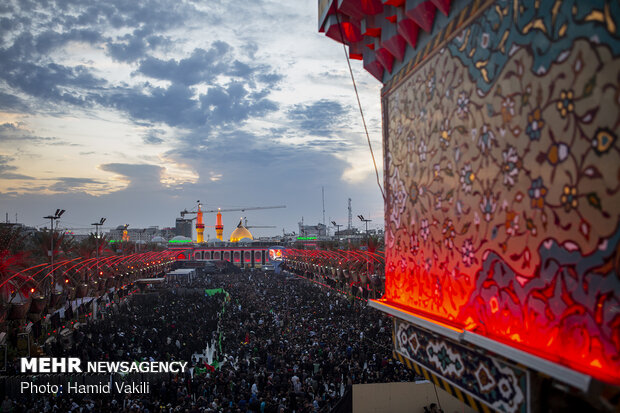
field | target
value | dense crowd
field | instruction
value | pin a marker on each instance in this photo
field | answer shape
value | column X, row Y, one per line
column 287, row 345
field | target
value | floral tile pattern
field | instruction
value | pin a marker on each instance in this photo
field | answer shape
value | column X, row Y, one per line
column 502, row 170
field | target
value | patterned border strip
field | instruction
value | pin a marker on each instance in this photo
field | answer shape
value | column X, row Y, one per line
column 467, row 14
column 462, row 363
column 454, row 391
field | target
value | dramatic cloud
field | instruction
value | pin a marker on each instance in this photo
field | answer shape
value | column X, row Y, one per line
column 133, row 110
column 139, row 177
column 6, row 170
column 74, row 184
column 11, row 103
column 201, row 66
column 153, row 137
column 17, row 134
column 320, row 117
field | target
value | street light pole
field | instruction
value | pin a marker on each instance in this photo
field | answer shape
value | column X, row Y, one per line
column 53, row 218
column 337, row 229
column 97, row 225
column 366, row 221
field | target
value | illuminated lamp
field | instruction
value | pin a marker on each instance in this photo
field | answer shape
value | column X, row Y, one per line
column 343, row 29
column 351, row 32
column 372, row 32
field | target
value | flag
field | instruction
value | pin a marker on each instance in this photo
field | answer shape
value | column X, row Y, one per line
column 208, row 366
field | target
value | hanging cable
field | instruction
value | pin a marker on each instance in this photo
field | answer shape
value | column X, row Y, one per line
column 437, row 396
column 359, row 104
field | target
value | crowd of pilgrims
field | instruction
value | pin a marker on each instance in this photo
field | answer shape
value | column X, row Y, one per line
column 287, row 345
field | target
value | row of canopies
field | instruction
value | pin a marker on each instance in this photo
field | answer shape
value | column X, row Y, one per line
column 354, row 267
column 29, row 292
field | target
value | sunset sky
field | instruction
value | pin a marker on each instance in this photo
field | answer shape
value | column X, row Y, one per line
column 135, row 110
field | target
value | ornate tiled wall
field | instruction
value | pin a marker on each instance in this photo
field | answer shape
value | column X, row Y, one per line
column 502, row 174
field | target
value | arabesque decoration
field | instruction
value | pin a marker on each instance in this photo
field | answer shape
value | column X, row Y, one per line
column 503, row 182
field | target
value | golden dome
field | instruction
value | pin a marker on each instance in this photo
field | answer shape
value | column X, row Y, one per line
column 239, row 233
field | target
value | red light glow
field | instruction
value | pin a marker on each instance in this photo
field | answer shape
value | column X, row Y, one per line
column 528, row 319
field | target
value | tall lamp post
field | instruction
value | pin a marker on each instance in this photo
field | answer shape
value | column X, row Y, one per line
column 366, row 221
column 337, row 229
column 53, row 218
column 97, row 225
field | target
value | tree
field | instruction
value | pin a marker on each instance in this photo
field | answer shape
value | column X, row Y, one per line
column 87, row 248
column 42, row 241
column 12, row 238
column 12, row 255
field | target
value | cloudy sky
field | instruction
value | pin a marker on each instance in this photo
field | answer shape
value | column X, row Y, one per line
column 134, row 110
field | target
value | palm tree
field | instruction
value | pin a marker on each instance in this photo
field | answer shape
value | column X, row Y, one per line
column 88, row 247
column 12, row 256
column 67, row 246
column 12, row 238
column 42, row 241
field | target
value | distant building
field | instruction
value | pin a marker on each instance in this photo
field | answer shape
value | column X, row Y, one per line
column 318, row 230
column 25, row 230
column 141, row 235
column 168, row 232
column 183, row 227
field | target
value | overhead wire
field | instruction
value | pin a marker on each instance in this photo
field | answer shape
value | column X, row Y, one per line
column 359, row 104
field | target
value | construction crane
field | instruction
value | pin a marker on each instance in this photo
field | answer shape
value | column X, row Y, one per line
column 219, row 227
column 245, row 219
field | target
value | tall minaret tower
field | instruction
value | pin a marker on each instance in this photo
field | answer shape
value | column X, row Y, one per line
column 219, row 227
column 200, row 227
